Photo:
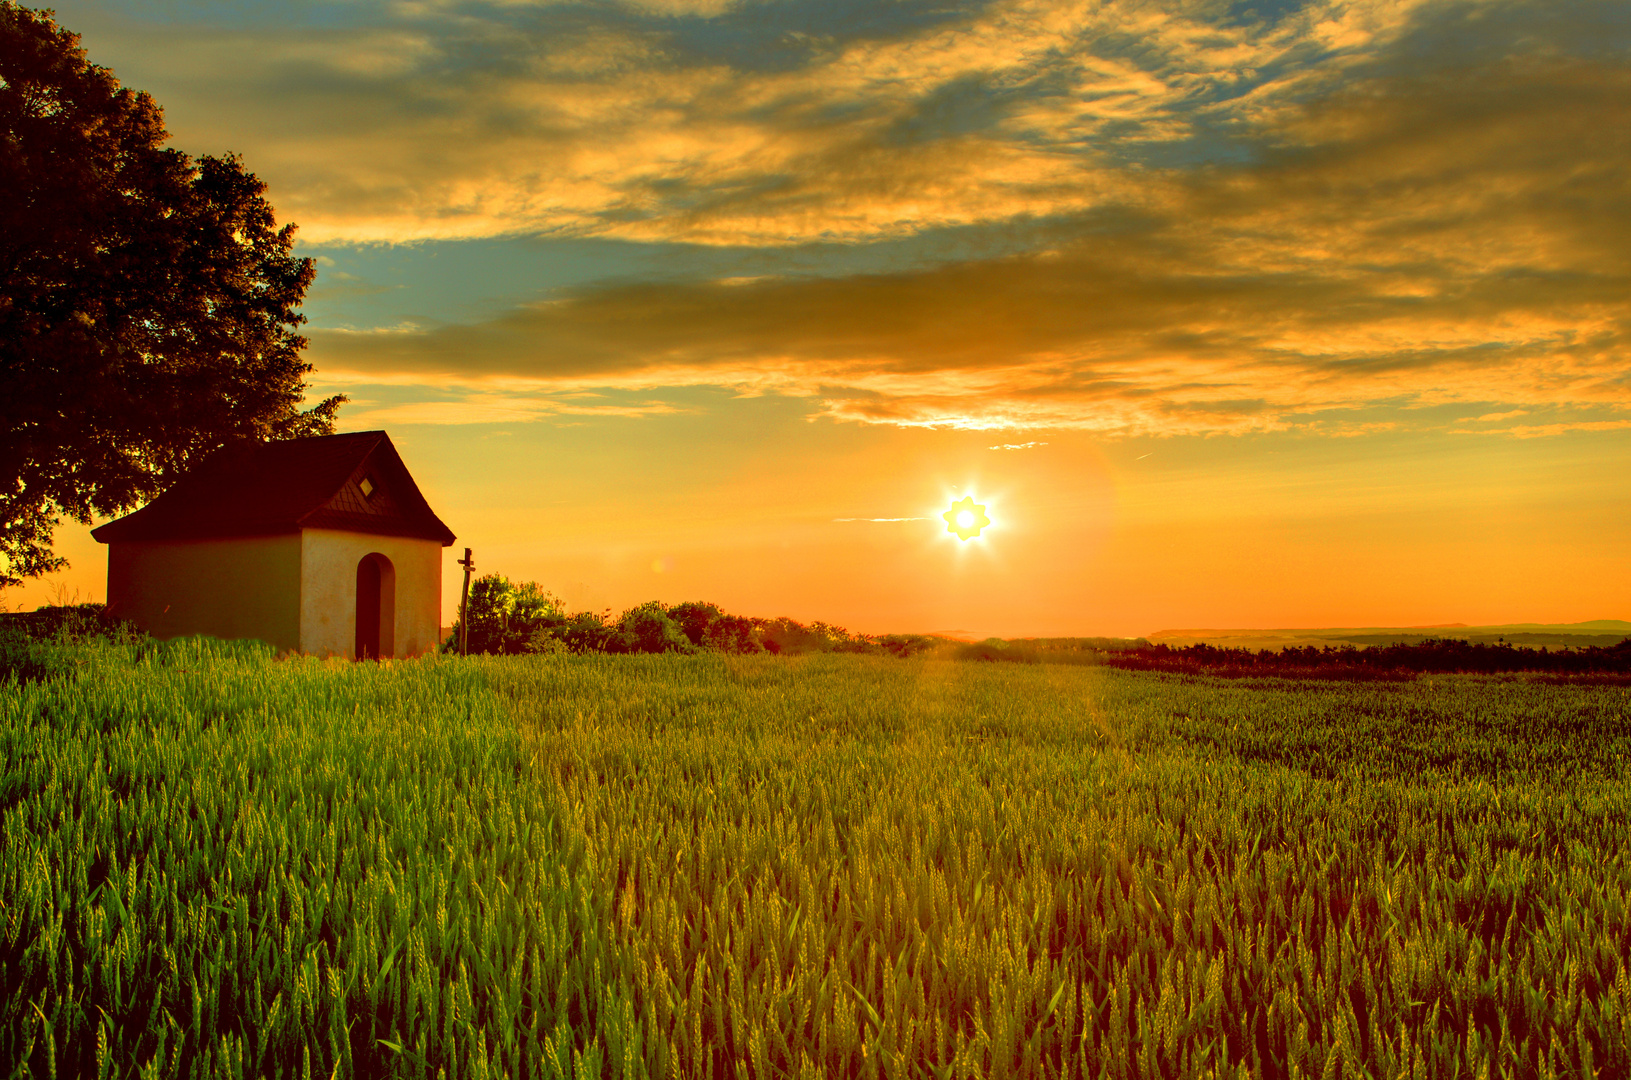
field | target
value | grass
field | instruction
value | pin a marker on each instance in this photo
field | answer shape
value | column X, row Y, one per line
column 214, row 863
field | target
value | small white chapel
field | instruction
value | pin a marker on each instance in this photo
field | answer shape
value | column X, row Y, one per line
column 320, row 545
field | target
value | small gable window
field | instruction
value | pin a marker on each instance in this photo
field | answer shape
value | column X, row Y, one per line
column 368, row 487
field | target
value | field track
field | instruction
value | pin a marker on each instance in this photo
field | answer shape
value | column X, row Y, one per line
column 213, row 863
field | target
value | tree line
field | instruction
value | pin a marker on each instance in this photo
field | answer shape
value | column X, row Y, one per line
column 514, row 618
column 519, row 618
column 1433, row 656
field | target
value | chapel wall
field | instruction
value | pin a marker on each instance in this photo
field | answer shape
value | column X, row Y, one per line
column 243, row 587
column 328, row 600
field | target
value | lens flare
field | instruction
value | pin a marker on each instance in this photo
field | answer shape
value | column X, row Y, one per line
column 966, row 518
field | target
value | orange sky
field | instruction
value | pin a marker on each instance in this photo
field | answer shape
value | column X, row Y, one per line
column 1251, row 314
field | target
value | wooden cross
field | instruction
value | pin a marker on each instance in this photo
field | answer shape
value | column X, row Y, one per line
column 469, row 564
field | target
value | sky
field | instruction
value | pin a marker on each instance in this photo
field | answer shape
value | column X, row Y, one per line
column 1269, row 314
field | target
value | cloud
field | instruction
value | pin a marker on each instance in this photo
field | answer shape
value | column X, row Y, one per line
column 1541, row 431
column 1241, row 223
column 489, row 407
column 468, row 120
column 1403, row 240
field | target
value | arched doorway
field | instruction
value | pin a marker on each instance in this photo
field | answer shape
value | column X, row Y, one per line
column 376, row 607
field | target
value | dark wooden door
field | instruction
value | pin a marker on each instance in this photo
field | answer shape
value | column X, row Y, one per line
column 367, row 647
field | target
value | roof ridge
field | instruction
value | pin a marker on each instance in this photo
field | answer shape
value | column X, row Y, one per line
column 275, row 486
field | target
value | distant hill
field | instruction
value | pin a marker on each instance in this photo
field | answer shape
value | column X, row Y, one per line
column 1599, row 632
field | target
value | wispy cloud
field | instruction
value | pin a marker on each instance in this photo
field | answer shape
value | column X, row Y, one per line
column 460, row 120
column 495, row 408
column 1541, row 431
column 1238, row 223
column 1495, row 417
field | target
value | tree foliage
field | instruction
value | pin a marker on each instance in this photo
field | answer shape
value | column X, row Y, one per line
column 649, row 629
column 506, row 616
column 705, row 626
column 521, row 617
column 147, row 300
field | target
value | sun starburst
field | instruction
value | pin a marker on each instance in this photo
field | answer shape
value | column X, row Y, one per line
column 966, row 518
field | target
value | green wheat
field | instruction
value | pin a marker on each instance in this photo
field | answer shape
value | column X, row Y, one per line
column 217, row 864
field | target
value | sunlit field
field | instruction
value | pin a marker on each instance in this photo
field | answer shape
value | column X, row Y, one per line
column 216, row 863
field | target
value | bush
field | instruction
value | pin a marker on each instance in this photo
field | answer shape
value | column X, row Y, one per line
column 40, row 644
column 648, row 629
column 22, row 659
column 904, row 645
column 509, row 618
column 732, row 633
column 695, row 618
column 584, row 632
column 506, row 617
column 71, row 624
column 705, row 626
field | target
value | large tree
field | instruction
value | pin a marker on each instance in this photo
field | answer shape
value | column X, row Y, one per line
column 147, row 300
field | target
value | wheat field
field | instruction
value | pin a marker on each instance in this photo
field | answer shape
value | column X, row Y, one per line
column 215, row 863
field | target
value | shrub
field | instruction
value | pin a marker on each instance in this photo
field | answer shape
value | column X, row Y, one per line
column 40, row 644
column 706, row 626
column 510, row 617
column 22, row 659
column 648, row 629
column 695, row 618
column 732, row 633
column 506, row 617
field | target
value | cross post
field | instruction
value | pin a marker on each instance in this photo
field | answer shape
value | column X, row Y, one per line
column 469, row 564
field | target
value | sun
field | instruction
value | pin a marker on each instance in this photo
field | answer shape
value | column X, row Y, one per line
column 966, row 518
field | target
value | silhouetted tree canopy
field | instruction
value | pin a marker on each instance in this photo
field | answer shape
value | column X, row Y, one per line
column 147, row 300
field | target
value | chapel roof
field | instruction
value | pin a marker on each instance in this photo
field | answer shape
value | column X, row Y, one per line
column 354, row 482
